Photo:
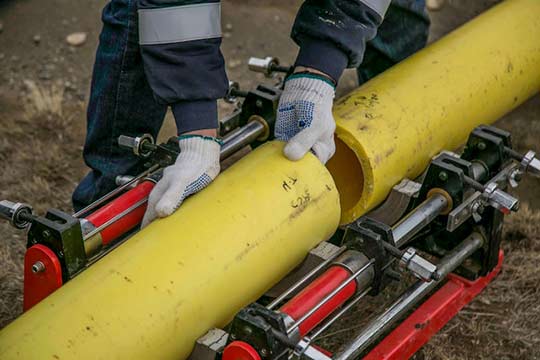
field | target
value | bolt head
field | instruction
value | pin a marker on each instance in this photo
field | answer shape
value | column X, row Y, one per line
column 38, row 267
column 481, row 146
column 443, row 176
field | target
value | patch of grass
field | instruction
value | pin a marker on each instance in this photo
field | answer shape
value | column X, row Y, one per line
column 40, row 144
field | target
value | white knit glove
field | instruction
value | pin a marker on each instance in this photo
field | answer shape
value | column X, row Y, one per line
column 304, row 117
column 196, row 166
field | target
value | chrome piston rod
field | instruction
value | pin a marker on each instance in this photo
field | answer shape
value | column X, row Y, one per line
column 417, row 219
column 408, row 300
column 241, row 137
column 231, row 143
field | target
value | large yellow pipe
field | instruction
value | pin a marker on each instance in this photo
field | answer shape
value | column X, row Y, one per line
column 154, row 295
column 157, row 293
column 396, row 122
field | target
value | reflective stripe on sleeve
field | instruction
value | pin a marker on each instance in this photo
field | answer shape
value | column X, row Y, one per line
column 179, row 23
column 379, row 6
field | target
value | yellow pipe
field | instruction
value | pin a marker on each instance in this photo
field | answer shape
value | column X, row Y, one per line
column 157, row 293
column 152, row 297
column 396, row 122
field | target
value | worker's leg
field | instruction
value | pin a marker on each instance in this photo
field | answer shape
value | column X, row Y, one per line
column 403, row 32
column 121, row 102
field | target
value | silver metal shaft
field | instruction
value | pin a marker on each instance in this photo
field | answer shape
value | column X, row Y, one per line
column 328, row 297
column 115, row 218
column 231, row 144
column 417, row 219
column 115, row 192
column 338, row 315
column 241, row 137
column 305, row 278
column 372, row 332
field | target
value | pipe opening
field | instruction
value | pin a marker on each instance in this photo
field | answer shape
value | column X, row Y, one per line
column 348, row 176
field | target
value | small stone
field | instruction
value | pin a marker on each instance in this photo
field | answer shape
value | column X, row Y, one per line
column 435, row 5
column 277, row 18
column 227, row 34
column 36, row 39
column 65, row 22
column 68, row 85
column 228, row 26
column 234, row 63
column 44, row 75
column 1, row 27
column 76, row 39
column 2, row 56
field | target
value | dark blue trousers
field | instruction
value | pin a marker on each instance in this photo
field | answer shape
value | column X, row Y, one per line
column 122, row 103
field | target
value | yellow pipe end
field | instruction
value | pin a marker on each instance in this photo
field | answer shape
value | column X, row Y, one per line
column 392, row 126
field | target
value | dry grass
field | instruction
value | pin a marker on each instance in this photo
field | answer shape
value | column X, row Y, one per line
column 40, row 147
column 43, row 100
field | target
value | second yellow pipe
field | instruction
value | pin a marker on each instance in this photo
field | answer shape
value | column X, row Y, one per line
column 389, row 128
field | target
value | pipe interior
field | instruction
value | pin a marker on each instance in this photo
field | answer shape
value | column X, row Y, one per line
column 348, row 175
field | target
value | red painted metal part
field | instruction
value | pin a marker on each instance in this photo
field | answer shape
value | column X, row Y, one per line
column 38, row 286
column 115, row 207
column 431, row 316
column 239, row 350
column 306, row 300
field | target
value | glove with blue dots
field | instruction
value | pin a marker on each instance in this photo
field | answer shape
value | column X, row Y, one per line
column 304, row 117
column 196, row 167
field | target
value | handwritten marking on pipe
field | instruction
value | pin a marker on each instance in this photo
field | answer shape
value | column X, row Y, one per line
column 302, row 200
column 288, row 183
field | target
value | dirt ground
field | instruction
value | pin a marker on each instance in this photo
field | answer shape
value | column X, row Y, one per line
column 44, row 86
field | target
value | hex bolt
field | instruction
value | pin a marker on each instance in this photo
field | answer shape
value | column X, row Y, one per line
column 443, row 176
column 481, row 146
column 259, row 103
column 46, row 234
column 264, row 352
column 38, row 267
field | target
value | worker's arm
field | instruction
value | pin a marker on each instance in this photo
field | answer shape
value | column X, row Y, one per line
column 332, row 35
column 180, row 45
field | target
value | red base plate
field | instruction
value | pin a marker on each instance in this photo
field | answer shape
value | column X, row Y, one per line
column 431, row 316
column 39, row 285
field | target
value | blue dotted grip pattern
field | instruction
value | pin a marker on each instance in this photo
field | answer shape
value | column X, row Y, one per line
column 202, row 181
column 293, row 117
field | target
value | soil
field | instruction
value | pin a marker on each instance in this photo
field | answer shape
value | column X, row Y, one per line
column 44, row 86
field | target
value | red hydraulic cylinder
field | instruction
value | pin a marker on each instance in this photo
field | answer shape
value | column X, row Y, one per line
column 117, row 206
column 321, row 287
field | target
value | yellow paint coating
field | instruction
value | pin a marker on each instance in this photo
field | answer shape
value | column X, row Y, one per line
column 430, row 102
column 152, row 297
column 157, row 293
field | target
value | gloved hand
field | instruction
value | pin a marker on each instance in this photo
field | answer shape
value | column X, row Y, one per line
column 196, row 167
column 304, row 117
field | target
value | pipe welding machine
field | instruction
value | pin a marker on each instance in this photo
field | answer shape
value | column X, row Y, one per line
column 443, row 228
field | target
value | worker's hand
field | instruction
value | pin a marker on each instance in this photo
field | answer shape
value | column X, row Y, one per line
column 304, row 117
column 196, row 166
